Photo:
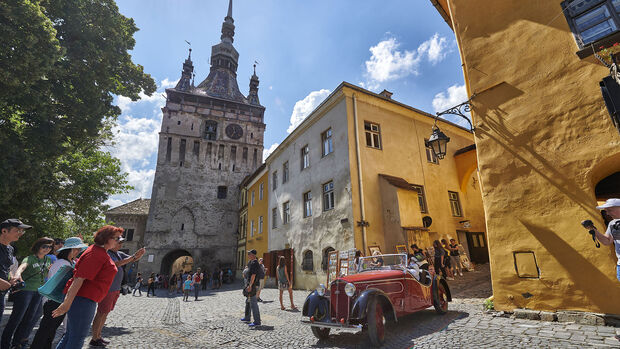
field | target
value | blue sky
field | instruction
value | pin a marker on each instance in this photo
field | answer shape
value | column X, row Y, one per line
column 304, row 50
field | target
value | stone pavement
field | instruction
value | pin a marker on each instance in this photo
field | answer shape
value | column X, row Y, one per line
column 213, row 322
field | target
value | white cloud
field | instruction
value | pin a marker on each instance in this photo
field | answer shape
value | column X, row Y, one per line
column 136, row 140
column 166, row 83
column 455, row 95
column 435, row 49
column 269, row 150
column 388, row 63
column 305, row 106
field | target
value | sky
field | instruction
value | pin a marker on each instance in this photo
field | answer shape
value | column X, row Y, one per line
column 304, row 50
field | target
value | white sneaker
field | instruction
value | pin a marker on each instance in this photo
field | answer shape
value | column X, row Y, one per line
column 449, row 278
column 461, row 274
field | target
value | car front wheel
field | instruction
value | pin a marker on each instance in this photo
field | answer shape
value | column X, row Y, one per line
column 376, row 322
column 441, row 302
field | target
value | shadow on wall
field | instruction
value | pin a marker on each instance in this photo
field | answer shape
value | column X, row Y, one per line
column 491, row 123
column 585, row 276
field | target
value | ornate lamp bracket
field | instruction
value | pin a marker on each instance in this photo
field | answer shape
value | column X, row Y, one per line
column 459, row 110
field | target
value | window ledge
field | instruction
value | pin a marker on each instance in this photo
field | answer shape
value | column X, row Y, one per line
column 606, row 42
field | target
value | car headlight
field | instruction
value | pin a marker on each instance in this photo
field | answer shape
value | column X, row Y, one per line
column 320, row 290
column 349, row 289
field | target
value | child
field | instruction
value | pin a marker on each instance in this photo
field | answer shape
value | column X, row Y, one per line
column 187, row 286
column 138, row 285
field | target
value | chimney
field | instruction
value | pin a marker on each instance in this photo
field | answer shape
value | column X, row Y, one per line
column 387, row 94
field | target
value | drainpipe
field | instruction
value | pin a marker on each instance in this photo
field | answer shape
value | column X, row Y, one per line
column 359, row 175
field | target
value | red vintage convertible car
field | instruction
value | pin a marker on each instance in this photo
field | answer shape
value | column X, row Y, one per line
column 385, row 289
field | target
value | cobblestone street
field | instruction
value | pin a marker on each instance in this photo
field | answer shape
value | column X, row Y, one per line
column 214, row 321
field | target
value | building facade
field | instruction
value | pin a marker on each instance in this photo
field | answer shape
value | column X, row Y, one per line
column 357, row 174
column 211, row 138
column 548, row 144
column 257, row 229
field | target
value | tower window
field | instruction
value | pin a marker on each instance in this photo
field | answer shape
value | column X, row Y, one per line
column 182, row 226
column 211, row 130
column 182, row 151
column 221, row 192
column 178, row 122
column 169, row 149
column 244, row 155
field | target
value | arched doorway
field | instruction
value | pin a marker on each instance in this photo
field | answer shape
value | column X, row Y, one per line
column 176, row 260
column 608, row 187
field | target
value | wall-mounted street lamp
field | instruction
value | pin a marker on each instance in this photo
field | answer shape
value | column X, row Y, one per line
column 438, row 141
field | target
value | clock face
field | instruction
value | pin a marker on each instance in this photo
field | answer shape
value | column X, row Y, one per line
column 234, row 131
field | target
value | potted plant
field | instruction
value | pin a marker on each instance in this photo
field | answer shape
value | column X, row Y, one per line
column 609, row 55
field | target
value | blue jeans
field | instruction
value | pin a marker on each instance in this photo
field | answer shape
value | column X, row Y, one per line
column 26, row 312
column 618, row 272
column 251, row 308
column 80, row 318
column 2, row 298
column 196, row 289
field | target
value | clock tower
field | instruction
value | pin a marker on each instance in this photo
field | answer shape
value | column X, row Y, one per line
column 211, row 138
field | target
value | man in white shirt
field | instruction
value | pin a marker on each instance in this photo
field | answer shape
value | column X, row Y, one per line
column 612, row 235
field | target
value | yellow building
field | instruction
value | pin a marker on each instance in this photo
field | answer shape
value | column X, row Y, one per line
column 356, row 173
column 257, row 231
column 547, row 147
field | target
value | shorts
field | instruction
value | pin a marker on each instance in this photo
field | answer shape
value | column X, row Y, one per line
column 283, row 285
column 261, row 284
column 108, row 303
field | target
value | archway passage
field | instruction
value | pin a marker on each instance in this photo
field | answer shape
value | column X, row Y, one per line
column 176, row 260
column 608, row 187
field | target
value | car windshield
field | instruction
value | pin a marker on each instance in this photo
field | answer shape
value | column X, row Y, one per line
column 383, row 262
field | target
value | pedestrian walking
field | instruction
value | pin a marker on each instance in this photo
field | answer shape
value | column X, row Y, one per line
column 196, row 280
column 180, row 282
column 27, row 302
column 138, row 285
column 440, row 255
column 187, row 286
column 151, row 285
column 447, row 261
column 205, row 280
column 93, row 275
column 251, row 305
column 216, row 278
column 221, row 278
column 47, row 327
column 455, row 258
column 262, row 280
column 104, row 307
column 284, row 282
column 10, row 231
column 173, row 283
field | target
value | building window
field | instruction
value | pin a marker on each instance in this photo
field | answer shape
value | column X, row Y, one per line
column 274, row 217
column 430, row 155
column 128, row 234
column 233, row 154
column 285, row 172
column 307, row 204
column 328, row 196
column 373, row 135
column 169, row 149
column 286, row 212
column 592, row 20
column 182, row 151
column 325, row 260
column 421, row 198
column 254, row 158
column 252, row 228
column 260, row 224
column 209, row 150
column 221, row 192
column 244, row 154
column 274, row 181
column 455, row 204
column 220, row 152
column 252, row 199
column 305, row 157
column 261, row 187
column 196, row 149
column 326, row 140
column 211, row 130
column 308, row 262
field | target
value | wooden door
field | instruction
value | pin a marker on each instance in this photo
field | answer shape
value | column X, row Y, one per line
column 478, row 250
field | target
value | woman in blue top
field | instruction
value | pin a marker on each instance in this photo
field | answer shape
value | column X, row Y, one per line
column 187, row 286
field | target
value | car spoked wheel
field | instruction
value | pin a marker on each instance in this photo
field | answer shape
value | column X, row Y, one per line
column 320, row 332
column 376, row 322
column 441, row 302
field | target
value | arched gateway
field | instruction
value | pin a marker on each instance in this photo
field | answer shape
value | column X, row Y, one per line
column 174, row 261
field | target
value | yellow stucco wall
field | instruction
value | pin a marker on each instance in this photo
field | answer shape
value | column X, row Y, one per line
column 258, row 241
column 403, row 155
column 544, row 139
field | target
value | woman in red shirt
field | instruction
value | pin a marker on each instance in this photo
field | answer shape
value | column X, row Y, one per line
column 93, row 275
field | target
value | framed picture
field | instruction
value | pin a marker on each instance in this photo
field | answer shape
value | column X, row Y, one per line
column 401, row 249
column 332, row 266
column 372, row 249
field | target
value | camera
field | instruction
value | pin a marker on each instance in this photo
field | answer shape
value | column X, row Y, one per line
column 18, row 286
column 587, row 224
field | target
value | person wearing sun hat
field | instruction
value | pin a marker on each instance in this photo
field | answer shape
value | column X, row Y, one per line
column 10, row 231
column 47, row 328
column 612, row 235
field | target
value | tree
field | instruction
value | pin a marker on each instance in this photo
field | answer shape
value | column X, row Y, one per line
column 61, row 64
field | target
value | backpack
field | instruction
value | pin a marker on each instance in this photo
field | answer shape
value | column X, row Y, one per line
column 261, row 273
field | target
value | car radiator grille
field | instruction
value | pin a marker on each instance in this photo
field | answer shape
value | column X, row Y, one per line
column 339, row 301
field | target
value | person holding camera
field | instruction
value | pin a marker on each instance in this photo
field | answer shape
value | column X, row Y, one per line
column 10, row 231
column 612, row 235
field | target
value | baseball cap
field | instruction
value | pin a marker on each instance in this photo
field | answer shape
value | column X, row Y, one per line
column 252, row 252
column 609, row 203
column 14, row 222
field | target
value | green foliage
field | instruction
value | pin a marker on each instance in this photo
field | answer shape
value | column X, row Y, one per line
column 488, row 304
column 61, row 64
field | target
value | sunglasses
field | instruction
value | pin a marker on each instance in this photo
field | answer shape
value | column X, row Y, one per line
column 46, row 246
column 118, row 238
